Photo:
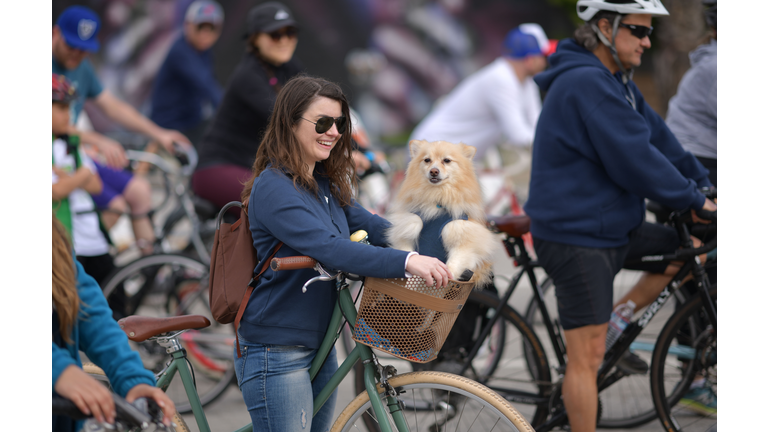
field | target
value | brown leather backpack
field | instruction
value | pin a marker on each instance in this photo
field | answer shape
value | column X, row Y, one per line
column 233, row 261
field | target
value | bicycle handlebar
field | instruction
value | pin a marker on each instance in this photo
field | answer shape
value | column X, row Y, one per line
column 133, row 415
column 302, row 262
column 187, row 157
column 292, row 263
column 707, row 215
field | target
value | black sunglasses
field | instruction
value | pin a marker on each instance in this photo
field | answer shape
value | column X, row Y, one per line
column 325, row 123
column 637, row 31
column 290, row 32
column 207, row 26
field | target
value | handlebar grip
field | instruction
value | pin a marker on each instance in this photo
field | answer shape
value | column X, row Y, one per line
column 292, row 263
column 707, row 215
column 65, row 407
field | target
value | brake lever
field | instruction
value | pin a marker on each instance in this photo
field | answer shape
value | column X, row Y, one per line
column 325, row 276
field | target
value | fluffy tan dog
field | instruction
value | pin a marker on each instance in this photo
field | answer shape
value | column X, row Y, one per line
column 439, row 210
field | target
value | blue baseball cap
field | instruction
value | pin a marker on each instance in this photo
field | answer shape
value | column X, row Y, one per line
column 527, row 39
column 79, row 27
column 204, row 11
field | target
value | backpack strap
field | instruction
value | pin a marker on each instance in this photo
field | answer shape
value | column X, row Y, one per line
column 247, row 295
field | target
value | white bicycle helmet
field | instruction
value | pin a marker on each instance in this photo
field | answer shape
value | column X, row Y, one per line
column 586, row 9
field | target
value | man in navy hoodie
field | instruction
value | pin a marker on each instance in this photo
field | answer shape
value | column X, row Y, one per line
column 598, row 152
column 185, row 93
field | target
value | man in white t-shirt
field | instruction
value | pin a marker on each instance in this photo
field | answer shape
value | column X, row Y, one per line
column 498, row 104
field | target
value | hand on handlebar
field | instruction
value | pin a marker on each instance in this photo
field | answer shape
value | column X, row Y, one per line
column 709, row 205
column 90, row 396
column 163, row 401
column 428, row 268
column 168, row 137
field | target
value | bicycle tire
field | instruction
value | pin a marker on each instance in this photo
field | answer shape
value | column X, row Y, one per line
column 428, row 392
column 671, row 375
column 171, row 285
column 179, row 425
column 509, row 366
column 627, row 403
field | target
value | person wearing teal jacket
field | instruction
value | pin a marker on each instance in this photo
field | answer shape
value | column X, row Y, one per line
column 98, row 335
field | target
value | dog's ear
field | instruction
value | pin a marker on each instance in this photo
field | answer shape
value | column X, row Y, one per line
column 414, row 146
column 468, row 150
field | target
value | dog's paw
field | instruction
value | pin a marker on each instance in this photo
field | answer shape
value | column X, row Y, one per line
column 466, row 276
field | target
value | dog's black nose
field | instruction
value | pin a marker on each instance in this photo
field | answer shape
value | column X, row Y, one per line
column 434, row 172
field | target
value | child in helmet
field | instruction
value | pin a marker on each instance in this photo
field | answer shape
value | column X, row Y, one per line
column 74, row 179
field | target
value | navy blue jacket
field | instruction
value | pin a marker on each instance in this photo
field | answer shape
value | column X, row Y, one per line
column 595, row 158
column 184, row 83
column 313, row 225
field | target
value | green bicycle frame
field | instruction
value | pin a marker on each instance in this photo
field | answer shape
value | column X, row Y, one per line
column 345, row 308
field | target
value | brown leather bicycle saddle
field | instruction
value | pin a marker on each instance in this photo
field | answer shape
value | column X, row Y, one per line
column 140, row 328
column 514, row 226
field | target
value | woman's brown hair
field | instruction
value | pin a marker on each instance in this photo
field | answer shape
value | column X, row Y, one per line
column 281, row 148
column 65, row 297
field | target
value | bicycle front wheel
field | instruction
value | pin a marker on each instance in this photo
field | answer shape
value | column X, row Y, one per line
column 686, row 351
column 171, row 285
column 500, row 362
column 178, row 425
column 433, row 401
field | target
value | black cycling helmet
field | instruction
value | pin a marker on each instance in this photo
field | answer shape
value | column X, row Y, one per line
column 63, row 91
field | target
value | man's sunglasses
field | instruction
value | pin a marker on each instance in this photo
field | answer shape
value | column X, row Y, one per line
column 325, row 123
column 637, row 31
column 207, row 26
column 290, row 32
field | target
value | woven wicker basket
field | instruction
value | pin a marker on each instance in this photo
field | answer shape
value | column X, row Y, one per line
column 406, row 318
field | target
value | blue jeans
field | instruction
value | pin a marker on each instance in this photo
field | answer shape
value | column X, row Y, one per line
column 276, row 388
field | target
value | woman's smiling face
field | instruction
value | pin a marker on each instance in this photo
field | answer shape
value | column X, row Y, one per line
column 315, row 146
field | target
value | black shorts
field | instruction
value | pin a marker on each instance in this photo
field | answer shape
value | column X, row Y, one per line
column 583, row 277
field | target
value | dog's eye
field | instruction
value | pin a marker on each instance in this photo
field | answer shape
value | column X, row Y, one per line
column 427, row 160
column 446, row 160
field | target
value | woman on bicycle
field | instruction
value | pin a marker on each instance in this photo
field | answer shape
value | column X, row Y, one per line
column 300, row 194
column 228, row 147
column 82, row 321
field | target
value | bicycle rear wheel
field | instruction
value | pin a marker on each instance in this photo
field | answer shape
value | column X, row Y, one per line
column 500, row 363
column 171, row 285
column 686, row 349
column 433, row 401
column 179, row 425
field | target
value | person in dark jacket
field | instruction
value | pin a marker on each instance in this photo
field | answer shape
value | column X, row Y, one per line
column 185, row 92
column 598, row 152
column 229, row 146
column 304, row 171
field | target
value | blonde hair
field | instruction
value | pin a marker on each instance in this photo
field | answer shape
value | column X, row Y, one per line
column 64, row 285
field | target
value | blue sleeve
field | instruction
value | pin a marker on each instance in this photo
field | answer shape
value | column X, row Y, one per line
column 621, row 137
column 102, row 340
column 359, row 218
column 60, row 361
column 91, row 81
column 664, row 140
column 289, row 219
column 196, row 72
